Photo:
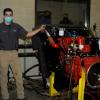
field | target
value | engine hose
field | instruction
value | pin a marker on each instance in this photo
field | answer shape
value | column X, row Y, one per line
column 28, row 77
column 40, row 91
column 70, row 83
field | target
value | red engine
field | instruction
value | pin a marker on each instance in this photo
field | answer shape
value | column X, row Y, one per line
column 76, row 54
column 92, row 68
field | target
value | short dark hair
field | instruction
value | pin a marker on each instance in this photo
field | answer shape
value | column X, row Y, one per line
column 7, row 9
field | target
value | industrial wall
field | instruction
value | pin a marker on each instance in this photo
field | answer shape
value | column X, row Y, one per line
column 95, row 15
column 24, row 14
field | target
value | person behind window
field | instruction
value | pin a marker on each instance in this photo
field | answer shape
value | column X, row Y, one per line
column 66, row 20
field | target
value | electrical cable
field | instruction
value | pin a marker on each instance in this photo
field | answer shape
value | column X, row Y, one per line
column 25, row 72
column 70, row 83
column 39, row 89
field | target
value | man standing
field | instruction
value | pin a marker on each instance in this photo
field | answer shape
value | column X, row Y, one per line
column 10, row 32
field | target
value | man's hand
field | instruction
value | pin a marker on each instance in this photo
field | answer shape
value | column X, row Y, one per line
column 42, row 28
column 36, row 31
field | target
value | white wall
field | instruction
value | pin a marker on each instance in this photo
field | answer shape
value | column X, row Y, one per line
column 95, row 15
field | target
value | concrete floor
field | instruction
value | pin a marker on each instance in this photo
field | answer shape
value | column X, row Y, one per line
column 30, row 92
column 35, row 91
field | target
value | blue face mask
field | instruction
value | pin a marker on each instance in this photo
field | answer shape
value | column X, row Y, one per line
column 8, row 19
